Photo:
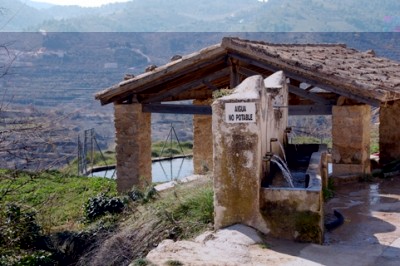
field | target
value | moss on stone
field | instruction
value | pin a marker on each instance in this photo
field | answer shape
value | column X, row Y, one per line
column 285, row 221
column 307, row 226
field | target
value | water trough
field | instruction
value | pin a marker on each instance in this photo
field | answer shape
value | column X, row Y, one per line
column 296, row 212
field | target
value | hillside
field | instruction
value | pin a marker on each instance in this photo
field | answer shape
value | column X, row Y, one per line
column 206, row 16
column 54, row 76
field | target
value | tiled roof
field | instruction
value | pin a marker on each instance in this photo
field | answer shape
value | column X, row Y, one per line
column 333, row 67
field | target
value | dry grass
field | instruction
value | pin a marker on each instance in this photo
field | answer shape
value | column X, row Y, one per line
column 181, row 212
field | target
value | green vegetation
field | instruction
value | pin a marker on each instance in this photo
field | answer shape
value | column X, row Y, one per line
column 329, row 191
column 193, row 210
column 221, row 93
column 311, row 140
column 374, row 146
column 50, row 217
column 57, row 199
column 302, row 225
column 166, row 148
column 101, row 205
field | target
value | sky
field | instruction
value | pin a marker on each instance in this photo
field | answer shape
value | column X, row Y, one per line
column 85, row 3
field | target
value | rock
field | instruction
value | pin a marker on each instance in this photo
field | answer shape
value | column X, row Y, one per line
column 210, row 248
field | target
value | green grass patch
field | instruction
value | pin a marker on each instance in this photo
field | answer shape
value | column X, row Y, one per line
column 374, row 145
column 190, row 209
column 58, row 199
column 167, row 148
column 311, row 140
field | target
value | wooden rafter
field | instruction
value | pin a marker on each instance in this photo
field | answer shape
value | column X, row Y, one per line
column 308, row 95
column 190, row 85
column 177, row 109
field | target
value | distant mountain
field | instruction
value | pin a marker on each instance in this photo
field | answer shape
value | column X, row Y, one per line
column 38, row 5
column 207, row 16
column 17, row 16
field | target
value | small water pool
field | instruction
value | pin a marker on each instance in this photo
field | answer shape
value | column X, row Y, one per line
column 162, row 171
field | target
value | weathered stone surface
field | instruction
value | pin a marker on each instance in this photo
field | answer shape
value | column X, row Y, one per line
column 133, row 146
column 238, row 160
column 389, row 132
column 202, row 141
column 351, row 139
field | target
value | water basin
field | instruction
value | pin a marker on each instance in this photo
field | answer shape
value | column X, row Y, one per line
column 162, row 171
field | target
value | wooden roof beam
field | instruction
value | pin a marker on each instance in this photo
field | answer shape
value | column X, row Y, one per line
column 206, row 109
column 316, row 109
column 188, row 64
column 177, row 109
column 308, row 95
column 194, row 84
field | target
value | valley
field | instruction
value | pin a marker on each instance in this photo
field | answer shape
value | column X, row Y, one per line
column 50, row 80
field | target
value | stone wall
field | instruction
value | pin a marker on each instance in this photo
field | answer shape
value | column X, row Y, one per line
column 389, row 132
column 202, row 141
column 238, row 159
column 351, row 139
column 133, row 146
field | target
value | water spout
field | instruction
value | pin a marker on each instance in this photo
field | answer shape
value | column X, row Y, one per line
column 284, row 168
column 281, row 147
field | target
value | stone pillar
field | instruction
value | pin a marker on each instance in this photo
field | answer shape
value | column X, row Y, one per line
column 277, row 121
column 389, row 132
column 351, row 139
column 133, row 146
column 202, row 141
column 238, row 134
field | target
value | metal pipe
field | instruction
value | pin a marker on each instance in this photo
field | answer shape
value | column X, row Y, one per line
column 270, row 143
column 268, row 156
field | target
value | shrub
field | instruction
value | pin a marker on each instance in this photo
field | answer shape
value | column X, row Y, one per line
column 100, row 205
column 18, row 228
column 21, row 238
column 40, row 257
column 138, row 195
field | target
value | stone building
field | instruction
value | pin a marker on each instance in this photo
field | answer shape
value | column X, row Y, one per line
column 328, row 79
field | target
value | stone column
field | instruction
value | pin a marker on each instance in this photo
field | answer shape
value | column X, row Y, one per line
column 202, row 141
column 277, row 120
column 389, row 132
column 133, row 146
column 238, row 134
column 351, row 139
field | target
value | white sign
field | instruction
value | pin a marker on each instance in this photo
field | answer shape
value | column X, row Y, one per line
column 240, row 112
